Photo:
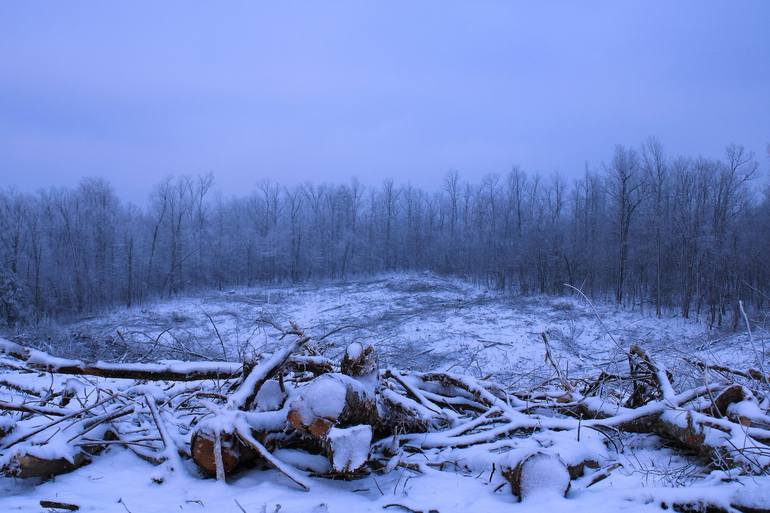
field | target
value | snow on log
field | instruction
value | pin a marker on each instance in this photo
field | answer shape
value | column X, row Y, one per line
column 332, row 400
column 28, row 408
column 13, row 349
column 539, row 474
column 244, row 396
column 270, row 396
column 168, row 371
column 24, row 464
column 348, row 449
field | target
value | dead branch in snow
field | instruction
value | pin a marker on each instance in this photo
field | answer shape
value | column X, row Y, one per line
column 59, row 505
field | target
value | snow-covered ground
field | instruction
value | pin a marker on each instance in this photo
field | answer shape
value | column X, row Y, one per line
column 416, row 322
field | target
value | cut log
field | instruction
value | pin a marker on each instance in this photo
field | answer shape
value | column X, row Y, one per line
column 287, row 470
column 332, row 400
column 539, row 474
column 724, row 443
column 234, row 453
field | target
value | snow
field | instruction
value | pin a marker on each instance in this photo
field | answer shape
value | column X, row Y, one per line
column 354, row 350
column 543, row 474
column 420, row 322
column 350, row 447
column 270, row 396
column 302, row 460
column 6, row 424
column 416, row 323
column 325, row 397
column 260, row 373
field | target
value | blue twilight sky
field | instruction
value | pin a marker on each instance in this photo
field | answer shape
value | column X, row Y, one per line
column 328, row 90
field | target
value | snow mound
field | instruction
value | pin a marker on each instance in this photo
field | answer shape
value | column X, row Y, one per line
column 350, row 447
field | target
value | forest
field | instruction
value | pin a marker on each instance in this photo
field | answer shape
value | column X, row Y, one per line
column 677, row 235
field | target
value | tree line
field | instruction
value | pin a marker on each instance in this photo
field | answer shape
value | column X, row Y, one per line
column 673, row 234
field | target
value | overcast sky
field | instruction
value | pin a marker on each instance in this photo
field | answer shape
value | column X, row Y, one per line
column 325, row 91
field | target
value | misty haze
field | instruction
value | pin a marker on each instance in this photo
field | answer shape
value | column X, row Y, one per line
column 356, row 256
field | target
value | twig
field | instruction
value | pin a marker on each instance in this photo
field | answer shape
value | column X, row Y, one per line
column 596, row 313
column 222, row 342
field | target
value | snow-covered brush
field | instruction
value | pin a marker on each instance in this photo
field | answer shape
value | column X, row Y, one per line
column 306, row 416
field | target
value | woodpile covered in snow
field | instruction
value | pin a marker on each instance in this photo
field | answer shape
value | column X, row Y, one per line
column 308, row 417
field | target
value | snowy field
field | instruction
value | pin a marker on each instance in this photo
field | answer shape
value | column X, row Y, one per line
column 416, row 323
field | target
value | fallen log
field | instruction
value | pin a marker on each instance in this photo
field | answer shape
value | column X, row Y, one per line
column 13, row 349
column 313, row 364
column 172, row 371
column 234, row 454
column 30, row 408
column 168, row 371
column 26, row 465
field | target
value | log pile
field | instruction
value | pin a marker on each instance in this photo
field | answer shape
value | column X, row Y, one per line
column 230, row 417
